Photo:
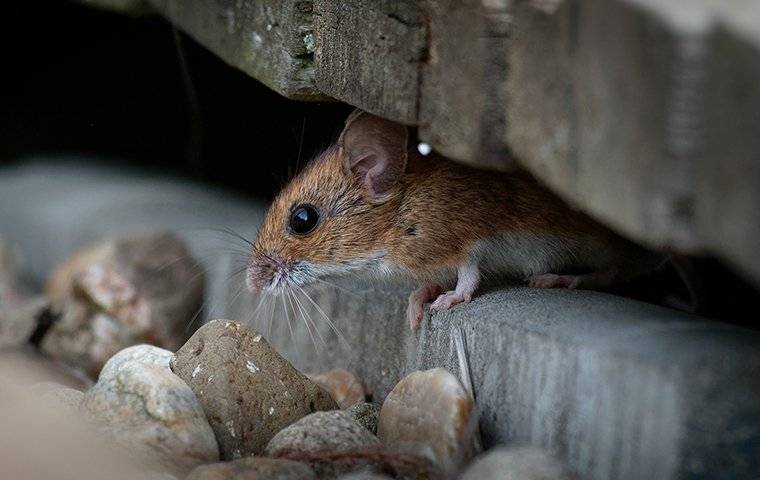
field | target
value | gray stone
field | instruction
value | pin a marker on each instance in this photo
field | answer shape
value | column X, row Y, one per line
column 19, row 318
column 19, row 311
column 144, row 406
column 271, row 41
column 248, row 391
column 366, row 415
column 253, row 468
column 429, row 414
column 376, row 68
column 140, row 288
column 368, row 461
column 333, row 431
column 617, row 387
column 516, row 463
column 342, row 386
column 364, row 476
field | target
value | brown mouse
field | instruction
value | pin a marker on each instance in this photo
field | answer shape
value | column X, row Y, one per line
column 369, row 202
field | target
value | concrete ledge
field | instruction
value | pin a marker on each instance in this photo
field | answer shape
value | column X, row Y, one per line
column 617, row 388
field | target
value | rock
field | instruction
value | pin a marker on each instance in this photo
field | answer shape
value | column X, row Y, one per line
column 364, row 475
column 19, row 319
column 342, row 385
column 366, row 415
column 144, row 288
column 516, row 463
column 58, row 395
column 19, row 311
column 145, row 406
column 374, row 460
column 430, row 414
column 253, row 468
column 334, row 431
column 249, row 391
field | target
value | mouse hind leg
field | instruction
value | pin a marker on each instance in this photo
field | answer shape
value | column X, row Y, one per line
column 417, row 300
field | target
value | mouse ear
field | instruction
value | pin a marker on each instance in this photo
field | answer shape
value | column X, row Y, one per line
column 374, row 151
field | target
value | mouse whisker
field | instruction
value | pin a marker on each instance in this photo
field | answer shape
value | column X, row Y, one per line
column 335, row 329
column 308, row 319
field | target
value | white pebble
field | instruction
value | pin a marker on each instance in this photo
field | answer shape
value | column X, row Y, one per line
column 424, row 148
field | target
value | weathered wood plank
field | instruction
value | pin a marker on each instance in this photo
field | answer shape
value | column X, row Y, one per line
column 727, row 174
column 271, row 41
column 462, row 96
column 369, row 53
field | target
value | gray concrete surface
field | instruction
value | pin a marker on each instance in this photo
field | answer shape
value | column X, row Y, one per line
column 617, row 388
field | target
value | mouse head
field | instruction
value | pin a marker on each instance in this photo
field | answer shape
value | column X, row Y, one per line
column 338, row 214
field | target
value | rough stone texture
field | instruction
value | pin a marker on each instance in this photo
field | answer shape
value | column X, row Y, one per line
column 19, row 319
column 334, row 431
column 617, row 388
column 269, row 40
column 364, row 476
column 19, row 311
column 375, row 460
column 249, row 392
column 369, row 53
column 254, row 468
column 141, row 288
column 342, row 386
column 144, row 406
column 366, row 415
column 430, row 414
column 516, row 463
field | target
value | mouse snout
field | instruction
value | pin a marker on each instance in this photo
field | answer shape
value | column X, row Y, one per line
column 265, row 272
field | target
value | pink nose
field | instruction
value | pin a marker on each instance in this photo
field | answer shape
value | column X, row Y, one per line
column 254, row 278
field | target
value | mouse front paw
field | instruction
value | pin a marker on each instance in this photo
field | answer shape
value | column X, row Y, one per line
column 449, row 299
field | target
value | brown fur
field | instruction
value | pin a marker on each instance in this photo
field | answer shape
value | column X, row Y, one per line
column 427, row 224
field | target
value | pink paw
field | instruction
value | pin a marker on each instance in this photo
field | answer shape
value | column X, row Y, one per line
column 551, row 280
column 415, row 313
column 449, row 299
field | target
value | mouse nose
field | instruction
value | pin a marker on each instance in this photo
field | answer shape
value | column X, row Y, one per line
column 258, row 276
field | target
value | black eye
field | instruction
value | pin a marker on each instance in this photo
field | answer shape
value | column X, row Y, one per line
column 303, row 219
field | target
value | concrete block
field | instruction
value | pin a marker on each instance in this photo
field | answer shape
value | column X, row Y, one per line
column 614, row 387
column 369, row 54
column 271, row 41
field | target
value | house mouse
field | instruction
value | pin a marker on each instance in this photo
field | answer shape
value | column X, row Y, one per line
column 370, row 202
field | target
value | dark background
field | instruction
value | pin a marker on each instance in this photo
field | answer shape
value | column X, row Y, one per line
column 134, row 91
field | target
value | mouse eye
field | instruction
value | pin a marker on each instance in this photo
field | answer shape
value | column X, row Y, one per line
column 303, row 219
